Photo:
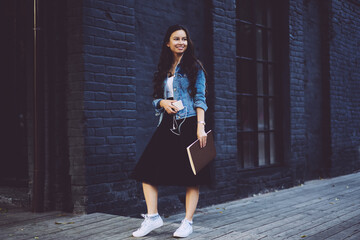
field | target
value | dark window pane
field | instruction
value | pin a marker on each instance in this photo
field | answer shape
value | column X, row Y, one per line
column 260, row 79
column 246, row 113
column 246, row 76
column 260, row 12
column 271, row 114
column 259, row 44
column 267, row 148
column 245, row 40
column 269, row 46
column 272, row 148
column 266, row 78
column 266, row 113
column 261, row 116
column 271, row 79
column 244, row 10
column 269, row 15
column 248, row 149
column 261, row 146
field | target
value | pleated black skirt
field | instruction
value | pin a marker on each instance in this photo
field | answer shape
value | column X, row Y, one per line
column 165, row 160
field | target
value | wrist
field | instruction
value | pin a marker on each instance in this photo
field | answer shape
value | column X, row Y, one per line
column 201, row 123
column 201, row 127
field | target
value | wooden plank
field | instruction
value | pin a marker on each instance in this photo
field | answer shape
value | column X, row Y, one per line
column 123, row 228
column 328, row 227
column 107, row 221
column 19, row 217
column 316, row 219
column 299, row 202
column 43, row 228
column 122, row 232
column 354, row 236
column 259, row 219
column 203, row 233
column 255, row 221
column 346, row 232
column 319, row 211
column 265, row 208
column 295, row 191
column 338, row 227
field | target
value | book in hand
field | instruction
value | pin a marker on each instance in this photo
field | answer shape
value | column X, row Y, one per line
column 200, row 157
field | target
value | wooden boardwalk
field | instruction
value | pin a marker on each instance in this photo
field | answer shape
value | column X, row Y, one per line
column 321, row 209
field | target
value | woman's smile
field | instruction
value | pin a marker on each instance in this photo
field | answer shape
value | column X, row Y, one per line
column 178, row 42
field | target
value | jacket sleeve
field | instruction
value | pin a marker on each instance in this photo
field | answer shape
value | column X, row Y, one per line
column 156, row 104
column 200, row 100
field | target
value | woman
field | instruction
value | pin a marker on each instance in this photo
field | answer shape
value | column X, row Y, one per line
column 180, row 76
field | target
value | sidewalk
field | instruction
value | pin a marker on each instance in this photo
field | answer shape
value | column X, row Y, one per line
column 320, row 209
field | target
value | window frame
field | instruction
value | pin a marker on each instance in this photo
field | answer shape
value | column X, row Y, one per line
column 266, row 96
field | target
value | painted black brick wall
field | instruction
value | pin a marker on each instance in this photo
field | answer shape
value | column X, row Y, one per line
column 225, row 100
column 75, row 103
column 313, row 89
column 297, row 84
column 345, row 86
column 109, row 103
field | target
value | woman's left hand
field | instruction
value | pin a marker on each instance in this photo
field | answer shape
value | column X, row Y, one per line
column 202, row 136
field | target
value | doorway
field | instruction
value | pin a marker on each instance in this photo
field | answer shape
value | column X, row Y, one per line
column 17, row 62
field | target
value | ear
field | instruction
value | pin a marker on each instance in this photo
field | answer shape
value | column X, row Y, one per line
column 167, row 44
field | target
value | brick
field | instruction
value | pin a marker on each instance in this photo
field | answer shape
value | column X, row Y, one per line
column 102, row 96
column 93, row 105
column 97, row 122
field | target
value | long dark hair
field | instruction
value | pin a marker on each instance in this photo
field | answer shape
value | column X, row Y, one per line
column 189, row 64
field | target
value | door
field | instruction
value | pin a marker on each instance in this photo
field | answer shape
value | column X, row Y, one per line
column 13, row 92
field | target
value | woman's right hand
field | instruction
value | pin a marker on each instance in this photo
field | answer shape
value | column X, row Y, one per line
column 168, row 107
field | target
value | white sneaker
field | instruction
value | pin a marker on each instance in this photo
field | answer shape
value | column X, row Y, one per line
column 149, row 224
column 184, row 230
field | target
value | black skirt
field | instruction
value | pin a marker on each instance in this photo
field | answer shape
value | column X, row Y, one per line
column 165, row 160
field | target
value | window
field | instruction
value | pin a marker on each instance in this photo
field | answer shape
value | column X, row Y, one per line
column 257, row 96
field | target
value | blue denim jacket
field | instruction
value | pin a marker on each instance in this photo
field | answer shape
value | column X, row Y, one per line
column 180, row 87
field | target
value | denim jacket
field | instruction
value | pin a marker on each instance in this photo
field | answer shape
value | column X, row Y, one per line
column 180, row 88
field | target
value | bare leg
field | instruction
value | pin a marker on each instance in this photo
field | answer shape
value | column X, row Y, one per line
column 151, row 198
column 192, row 198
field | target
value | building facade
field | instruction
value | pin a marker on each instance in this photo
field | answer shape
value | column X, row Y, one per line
column 283, row 82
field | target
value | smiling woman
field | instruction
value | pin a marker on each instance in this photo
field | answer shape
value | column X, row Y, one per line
column 180, row 76
column 178, row 43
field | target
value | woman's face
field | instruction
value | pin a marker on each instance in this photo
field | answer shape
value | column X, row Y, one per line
column 178, row 42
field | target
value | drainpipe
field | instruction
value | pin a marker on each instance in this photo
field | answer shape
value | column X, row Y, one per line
column 38, row 175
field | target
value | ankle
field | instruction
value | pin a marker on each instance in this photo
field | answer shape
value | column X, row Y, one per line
column 188, row 220
column 152, row 214
column 153, row 217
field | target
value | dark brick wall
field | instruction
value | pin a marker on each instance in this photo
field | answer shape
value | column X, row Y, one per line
column 225, row 121
column 75, row 105
column 313, row 89
column 345, row 86
column 109, row 103
column 297, row 85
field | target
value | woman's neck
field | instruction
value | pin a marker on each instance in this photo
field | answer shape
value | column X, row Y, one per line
column 177, row 59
